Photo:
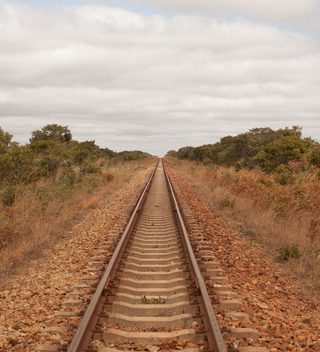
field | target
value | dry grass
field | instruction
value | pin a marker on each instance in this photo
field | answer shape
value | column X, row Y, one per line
column 43, row 213
column 266, row 212
column 91, row 203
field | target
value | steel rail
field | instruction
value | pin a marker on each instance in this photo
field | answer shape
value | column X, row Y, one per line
column 85, row 330
column 214, row 335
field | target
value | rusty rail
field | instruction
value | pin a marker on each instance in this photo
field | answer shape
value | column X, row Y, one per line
column 214, row 335
column 86, row 328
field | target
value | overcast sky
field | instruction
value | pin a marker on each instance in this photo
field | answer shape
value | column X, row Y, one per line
column 156, row 75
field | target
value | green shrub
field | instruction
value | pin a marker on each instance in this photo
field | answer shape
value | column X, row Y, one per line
column 265, row 182
column 282, row 151
column 89, row 182
column 90, row 169
column 283, row 176
column 314, row 156
column 259, row 147
column 280, row 208
column 8, row 196
column 236, row 180
column 250, row 234
column 69, row 176
column 146, row 300
column 207, row 161
column 238, row 166
column 226, row 203
column 49, row 165
column 52, row 132
column 289, row 251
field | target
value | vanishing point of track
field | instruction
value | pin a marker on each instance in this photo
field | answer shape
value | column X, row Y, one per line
column 152, row 292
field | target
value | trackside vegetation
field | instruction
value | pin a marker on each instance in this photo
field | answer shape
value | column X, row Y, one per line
column 280, row 151
column 51, row 152
column 269, row 182
column 47, row 182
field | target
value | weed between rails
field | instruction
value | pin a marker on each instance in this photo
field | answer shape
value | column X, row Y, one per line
column 146, row 300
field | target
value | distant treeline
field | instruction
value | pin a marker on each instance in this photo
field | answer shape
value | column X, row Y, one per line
column 263, row 148
column 50, row 149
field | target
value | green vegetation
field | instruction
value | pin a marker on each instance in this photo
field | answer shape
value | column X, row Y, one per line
column 282, row 152
column 51, row 153
column 226, row 203
column 146, row 300
column 290, row 251
column 48, row 183
column 7, row 196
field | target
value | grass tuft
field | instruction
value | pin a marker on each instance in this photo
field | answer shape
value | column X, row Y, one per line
column 146, row 300
column 289, row 251
column 284, row 218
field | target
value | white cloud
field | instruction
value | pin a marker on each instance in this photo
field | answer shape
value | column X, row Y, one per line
column 146, row 82
column 303, row 13
column 268, row 8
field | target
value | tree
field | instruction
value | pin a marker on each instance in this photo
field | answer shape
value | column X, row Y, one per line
column 16, row 166
column 281, row 151
column 314, row 156
column 262, row 147
column 108, row 152
column 186, row 153
column 52, row 132
column 49, row 155
column 5, row 140
column 238, row 148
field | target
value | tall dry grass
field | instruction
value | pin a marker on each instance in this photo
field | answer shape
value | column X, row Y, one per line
column 265, row 211
column 43, row 213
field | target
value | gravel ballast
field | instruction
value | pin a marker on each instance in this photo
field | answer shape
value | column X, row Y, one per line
column 29, row 301
column 285, row 317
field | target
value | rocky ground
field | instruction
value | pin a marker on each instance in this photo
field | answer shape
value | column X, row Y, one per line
column 29, row 301
column 286, row 319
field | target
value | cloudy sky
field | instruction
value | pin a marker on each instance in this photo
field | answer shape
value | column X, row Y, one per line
column 155, row 75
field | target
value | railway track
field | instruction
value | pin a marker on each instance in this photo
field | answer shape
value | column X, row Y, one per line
column 142, row 289
column 152, row 295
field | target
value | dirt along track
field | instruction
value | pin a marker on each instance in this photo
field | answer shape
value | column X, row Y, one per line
column 35, row 303
column 152, row 296
column 285, row 317
column 150, row 300
column 42, row 310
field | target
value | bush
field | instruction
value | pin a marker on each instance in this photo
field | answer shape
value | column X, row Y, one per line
column 90, row 169
column 226, row 203
column 282, row 151
column 238, row 166
column 289, row 252
column 265, row 182
column 280, row 208
column 8, row 196
column 207, row 161
column 283, row 175
column 259, row 147
column 49, row 165
column 69, row 176
column 52, row 132
column 314, row 156
column 250, row 234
